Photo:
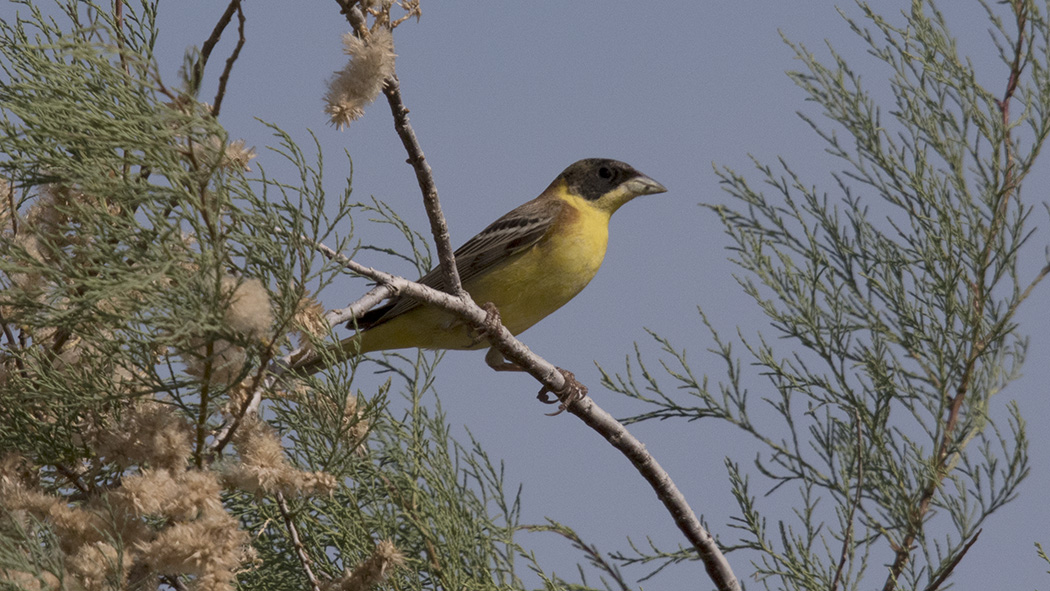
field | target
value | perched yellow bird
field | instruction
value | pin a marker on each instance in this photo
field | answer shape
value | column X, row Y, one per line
column 528, row 263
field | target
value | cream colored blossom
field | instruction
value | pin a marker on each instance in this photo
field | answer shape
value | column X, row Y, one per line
column 29, row 581
column 210, row 548
column 149, row 433
column 223, row 364
column 238, row 155
column 97, row 564
column 354, row 87
column 375, row 570
column 174, row 496
column 168, row 523
column 263, row 468
column 249, row 312
column 214, row 151
column 309, row 317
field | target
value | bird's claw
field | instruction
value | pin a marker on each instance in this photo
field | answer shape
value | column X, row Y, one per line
column 571, row 392
column 490, row 326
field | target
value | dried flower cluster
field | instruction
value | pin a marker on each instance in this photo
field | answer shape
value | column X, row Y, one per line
column 165, row 520
column 41, row 232
column 238, row 155
column 149, row 433
column 263, row 468
column 249, row 313
column 310, row 321
column 215, row 153
column 214, row 361
column 375, row 570
column 359, row 83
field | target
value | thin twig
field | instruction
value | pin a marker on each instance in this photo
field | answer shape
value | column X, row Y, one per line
column 591, row 551
column 438, row 225
column 951, row 565
column 211, row 41
column 73, row 478
column 300, row 550
column 118, row 21
column 222, row 437
column 229, row 62
column 14, row 344
column 203, row 412
column 174, row 582
column 847, row 539
column 365, row 303
column 10, row 197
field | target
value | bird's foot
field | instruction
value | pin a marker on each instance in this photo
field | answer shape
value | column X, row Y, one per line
column 490, row 326
column 571, row 392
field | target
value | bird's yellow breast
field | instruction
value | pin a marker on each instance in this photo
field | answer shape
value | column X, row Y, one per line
column 537, row 282
column 525, row 288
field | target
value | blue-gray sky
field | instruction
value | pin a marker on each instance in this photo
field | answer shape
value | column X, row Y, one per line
column 503, row 96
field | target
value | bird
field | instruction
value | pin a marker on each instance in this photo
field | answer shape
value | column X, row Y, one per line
column 526, row 264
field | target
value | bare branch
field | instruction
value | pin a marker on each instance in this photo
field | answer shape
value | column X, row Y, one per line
column 947, row 571
column 371, row 299
column 438, row 226
column 11, row 341
column 616, row 434
column 300, row 550
column 847, row 540
column 224, row 78
column 501, row 339
column 211, row 41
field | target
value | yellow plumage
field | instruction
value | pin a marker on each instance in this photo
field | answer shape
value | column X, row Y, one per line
column 528, row 263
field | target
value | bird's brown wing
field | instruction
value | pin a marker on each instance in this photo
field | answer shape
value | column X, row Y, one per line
column 508, row 236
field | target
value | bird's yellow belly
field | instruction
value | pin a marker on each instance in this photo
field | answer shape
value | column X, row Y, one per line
column 525, row 289
column 540, row 281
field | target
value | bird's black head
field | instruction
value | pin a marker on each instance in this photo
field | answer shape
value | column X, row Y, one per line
column 593, row 177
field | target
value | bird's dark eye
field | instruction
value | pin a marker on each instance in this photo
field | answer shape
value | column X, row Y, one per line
column 605, row 172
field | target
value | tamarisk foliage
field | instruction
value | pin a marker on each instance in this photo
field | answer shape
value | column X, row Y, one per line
column 893, row 298
column 150, row 276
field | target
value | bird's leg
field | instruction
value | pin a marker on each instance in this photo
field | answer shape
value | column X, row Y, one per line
column 493, row 321
column 572, row 391
column 490, row 327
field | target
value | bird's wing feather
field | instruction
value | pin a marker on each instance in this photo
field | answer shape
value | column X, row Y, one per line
column 508, row 236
